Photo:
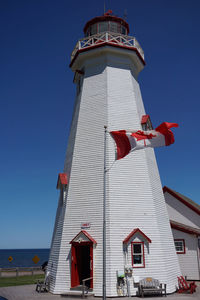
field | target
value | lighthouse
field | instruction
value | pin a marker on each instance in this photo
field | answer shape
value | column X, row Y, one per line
column 139, row 243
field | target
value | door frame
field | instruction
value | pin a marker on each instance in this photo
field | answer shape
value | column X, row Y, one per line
column 74, row 270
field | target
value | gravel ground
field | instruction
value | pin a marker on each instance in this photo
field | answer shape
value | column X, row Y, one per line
column 27, row 292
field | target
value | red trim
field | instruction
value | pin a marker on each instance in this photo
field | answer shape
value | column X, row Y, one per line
column 62, row 180
column 143, row 258
column 107, row 44
column 136, row 230
column 106, row 18
column 87, row 235
column 181, row 252
column 166, row 189
column 184, row 229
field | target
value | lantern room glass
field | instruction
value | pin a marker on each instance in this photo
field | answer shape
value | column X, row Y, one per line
column 106, row 26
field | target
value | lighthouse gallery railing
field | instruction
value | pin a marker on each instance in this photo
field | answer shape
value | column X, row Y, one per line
column 107, row 37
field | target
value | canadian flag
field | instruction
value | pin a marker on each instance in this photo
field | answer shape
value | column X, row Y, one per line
column 128, row 141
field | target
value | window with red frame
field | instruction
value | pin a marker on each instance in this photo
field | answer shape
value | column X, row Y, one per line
column 180, row 246
column 137, row 249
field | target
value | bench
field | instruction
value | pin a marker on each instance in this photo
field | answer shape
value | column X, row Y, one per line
column 43, row 285
column 151, row 286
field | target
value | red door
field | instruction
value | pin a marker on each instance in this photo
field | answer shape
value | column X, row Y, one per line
column 81, row 263
column 74, row 268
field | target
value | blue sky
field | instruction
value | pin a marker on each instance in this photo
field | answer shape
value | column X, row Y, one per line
column 37, row 95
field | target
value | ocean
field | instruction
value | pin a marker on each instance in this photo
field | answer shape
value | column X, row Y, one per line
column 12, row 258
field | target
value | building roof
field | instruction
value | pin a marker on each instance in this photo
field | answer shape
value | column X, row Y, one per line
column 136, row 230
column 184, row 228
column 185, row 200
column 144, row 119
column 62, row 180
column 86, row 234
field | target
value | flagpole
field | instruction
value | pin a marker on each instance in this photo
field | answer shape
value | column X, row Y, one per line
column 104, row 216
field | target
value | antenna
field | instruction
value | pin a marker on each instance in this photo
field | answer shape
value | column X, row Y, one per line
column 125, row 14
column 104, row 6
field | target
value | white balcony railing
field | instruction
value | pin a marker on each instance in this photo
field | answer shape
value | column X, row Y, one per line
column 107, row 37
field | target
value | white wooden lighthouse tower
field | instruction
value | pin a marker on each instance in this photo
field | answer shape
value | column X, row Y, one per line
column 106, row 64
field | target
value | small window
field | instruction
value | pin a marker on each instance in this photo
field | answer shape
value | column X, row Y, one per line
column 146, row 123
column 138, row 255
column 93, row 29
column 180, row 246
column 78, row 86
column 123, row 30
column 103, row 26
column 113, row 27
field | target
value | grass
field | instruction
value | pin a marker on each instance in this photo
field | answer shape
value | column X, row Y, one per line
column 20, row 280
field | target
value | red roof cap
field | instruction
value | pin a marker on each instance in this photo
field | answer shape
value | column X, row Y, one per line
column 144, row 119
column 62, row 180
column 136, row 230
column 106, row 17
column 86, row 234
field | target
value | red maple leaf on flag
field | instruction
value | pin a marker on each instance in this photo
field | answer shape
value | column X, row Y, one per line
column 141, row 135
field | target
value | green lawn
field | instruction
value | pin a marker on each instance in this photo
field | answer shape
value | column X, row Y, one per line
column 20, row 280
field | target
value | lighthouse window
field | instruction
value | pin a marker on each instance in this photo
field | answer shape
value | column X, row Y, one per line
column 103, row 26
column 123, row 30
column 78, row 89
column 180, row 246
column 114, row 27
column 93, row 29
column 138, row 254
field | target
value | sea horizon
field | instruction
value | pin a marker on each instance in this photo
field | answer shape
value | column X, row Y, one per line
column 23, row 257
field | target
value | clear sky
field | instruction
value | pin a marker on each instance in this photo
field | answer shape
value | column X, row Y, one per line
column 37, row 95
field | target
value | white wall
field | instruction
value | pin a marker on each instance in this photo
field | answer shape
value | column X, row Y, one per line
column 189, row 261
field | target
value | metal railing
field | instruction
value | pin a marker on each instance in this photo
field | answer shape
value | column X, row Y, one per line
column 84, row 286
column 107, row 37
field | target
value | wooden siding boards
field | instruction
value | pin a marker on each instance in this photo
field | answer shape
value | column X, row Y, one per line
column 111, row 96
column 189, row 262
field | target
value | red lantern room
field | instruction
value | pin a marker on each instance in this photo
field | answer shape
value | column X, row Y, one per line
column 104, row 23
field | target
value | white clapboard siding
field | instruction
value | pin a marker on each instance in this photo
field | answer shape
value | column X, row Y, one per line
column 111, row 96
column 179, row 212
column 189, row 261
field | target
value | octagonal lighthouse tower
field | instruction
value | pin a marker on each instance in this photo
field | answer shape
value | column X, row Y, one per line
column 139, row 243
